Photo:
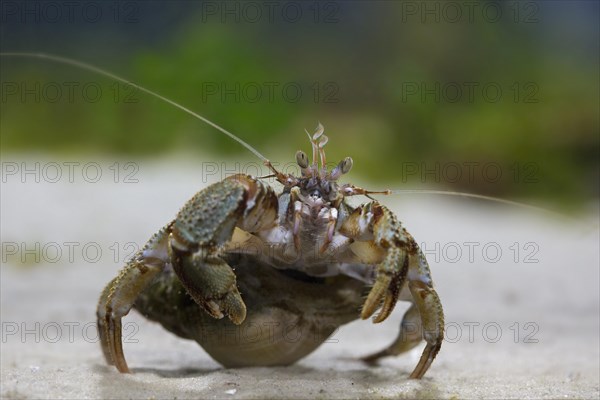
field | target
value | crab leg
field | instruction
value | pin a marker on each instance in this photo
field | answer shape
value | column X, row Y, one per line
column 192, row 244
column 426, row 311
column 120, row 294
column 411, row 334
column 432, row 317
column 402, row 261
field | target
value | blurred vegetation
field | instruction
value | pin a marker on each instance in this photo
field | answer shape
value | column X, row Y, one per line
column 354, row 74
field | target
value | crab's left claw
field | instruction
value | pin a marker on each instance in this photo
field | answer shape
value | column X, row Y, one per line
column 391, row 275
column 375, row 224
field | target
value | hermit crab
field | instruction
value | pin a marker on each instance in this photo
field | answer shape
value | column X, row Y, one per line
column 285, row 269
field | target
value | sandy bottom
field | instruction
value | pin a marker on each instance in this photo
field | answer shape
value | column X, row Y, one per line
column 520, row 293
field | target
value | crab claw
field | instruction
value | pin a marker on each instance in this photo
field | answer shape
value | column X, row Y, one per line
column 212, row 284
column 386, row 289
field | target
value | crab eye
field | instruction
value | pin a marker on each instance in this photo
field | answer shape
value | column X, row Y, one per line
column 346, row 165
column 301, row 159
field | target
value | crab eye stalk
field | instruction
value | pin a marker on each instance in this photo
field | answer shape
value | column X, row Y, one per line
column 342, row 168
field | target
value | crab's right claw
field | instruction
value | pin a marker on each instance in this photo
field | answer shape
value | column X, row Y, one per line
column 205, row 227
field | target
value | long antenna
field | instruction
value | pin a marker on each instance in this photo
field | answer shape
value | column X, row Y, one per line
column 89, row 67
column 100, row 71
column 463, row 194
column 479, row 197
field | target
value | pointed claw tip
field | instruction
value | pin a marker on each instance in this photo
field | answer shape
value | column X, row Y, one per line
column 238, row 319
column 385, row 312
column 379, row 318
column 123, row 368
column 366, row 314
column 363, row 312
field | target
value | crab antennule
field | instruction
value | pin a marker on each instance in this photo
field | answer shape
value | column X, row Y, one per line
column 315, row 150
column 322, row 143
column 318, row 131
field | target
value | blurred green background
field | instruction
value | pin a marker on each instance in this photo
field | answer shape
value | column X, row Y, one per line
column 390, row 81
